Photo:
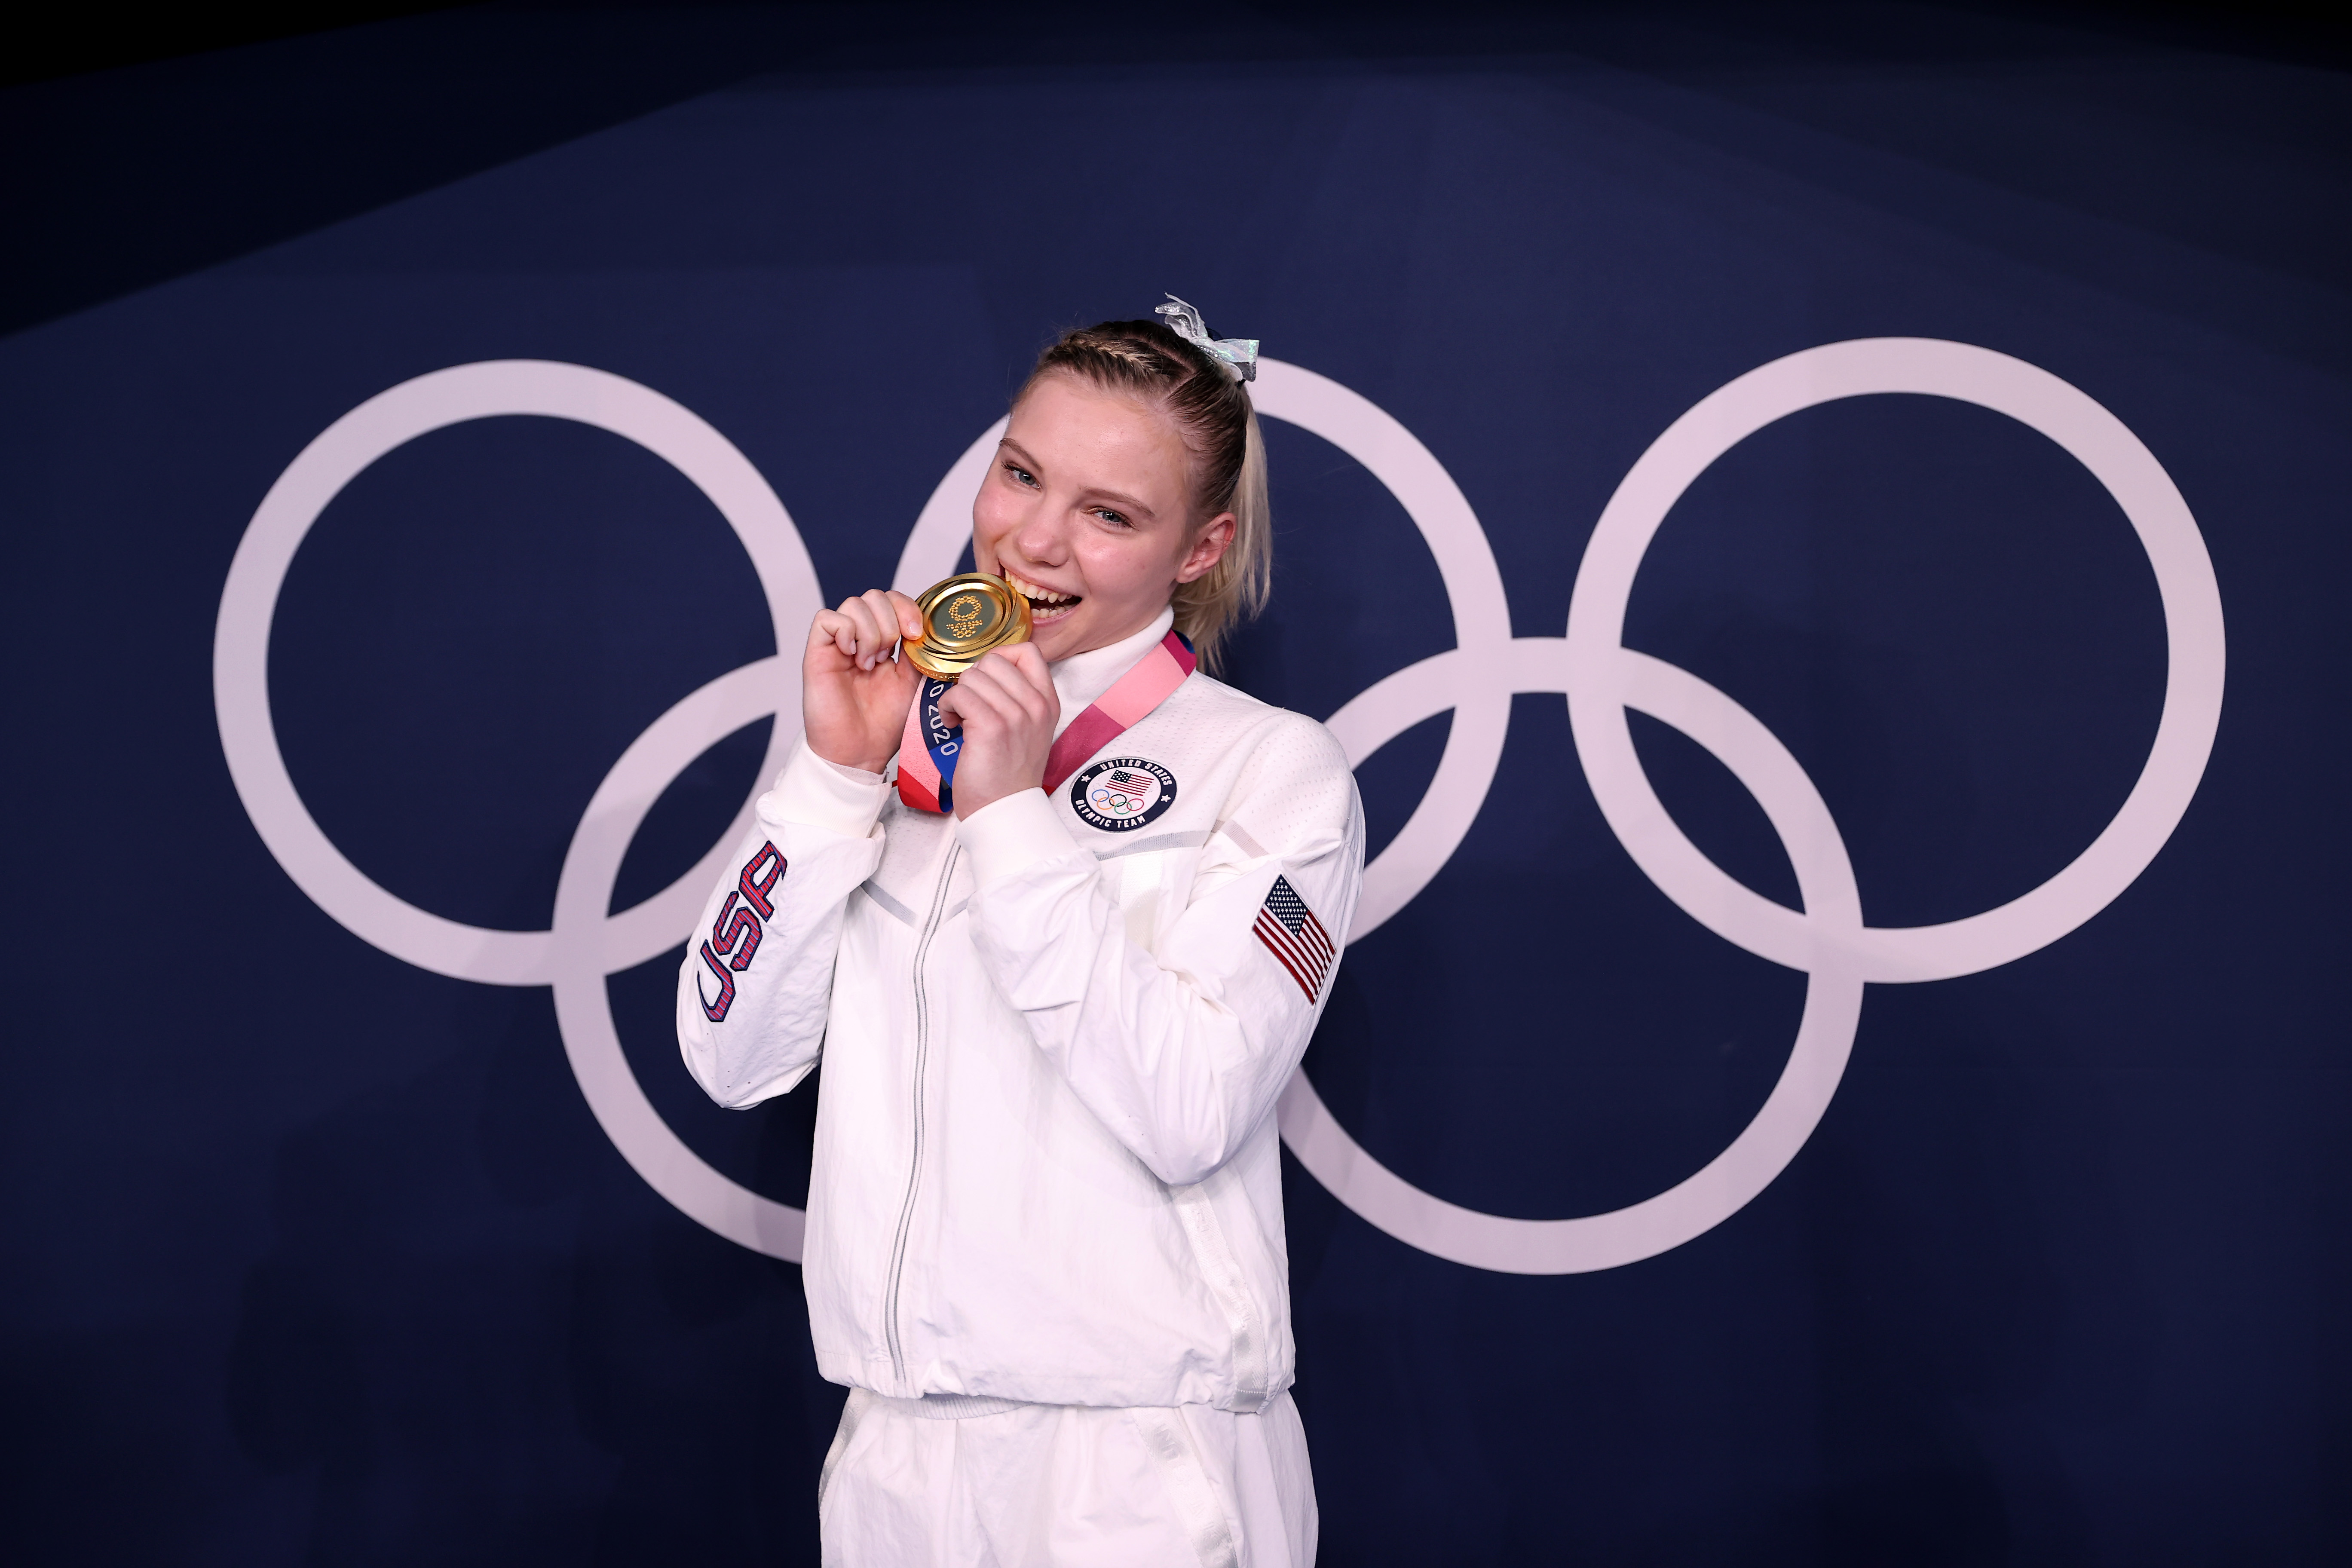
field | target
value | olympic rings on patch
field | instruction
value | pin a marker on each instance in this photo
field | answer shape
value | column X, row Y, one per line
column 1475, row 679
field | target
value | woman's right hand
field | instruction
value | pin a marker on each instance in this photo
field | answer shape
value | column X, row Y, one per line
column 854, row 695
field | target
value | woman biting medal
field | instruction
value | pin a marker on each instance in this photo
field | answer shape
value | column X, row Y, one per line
column 1058, row 966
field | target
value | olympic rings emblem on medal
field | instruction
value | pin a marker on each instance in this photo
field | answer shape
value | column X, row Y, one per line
column 1602, row 679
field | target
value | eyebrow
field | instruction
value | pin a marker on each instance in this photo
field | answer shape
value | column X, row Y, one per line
column 1007, row 444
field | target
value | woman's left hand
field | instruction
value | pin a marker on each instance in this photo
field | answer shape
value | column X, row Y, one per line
column 1008, row 708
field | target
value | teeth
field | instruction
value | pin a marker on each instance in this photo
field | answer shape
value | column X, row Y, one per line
column 1031, row 591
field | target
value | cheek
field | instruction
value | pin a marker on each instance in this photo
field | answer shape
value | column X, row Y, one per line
column 1126, row 569
column 992, row 517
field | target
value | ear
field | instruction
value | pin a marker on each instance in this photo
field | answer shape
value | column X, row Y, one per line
column 1208, row 547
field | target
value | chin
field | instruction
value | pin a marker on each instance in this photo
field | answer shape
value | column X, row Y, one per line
column 1059, row 639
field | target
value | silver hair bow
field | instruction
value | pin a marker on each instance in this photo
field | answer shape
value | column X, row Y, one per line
column 1238, row 355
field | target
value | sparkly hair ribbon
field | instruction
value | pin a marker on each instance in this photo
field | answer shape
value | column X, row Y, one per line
column 1238, row 355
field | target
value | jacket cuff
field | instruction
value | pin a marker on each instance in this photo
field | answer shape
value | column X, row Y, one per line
column 818, row 793
column 1009, row 835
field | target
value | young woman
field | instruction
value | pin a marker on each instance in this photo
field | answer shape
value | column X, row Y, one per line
column 1045, row 1244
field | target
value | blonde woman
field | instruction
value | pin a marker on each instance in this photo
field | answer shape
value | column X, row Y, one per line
column 1058, row 968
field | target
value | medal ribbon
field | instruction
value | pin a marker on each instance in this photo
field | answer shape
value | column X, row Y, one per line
column 927, row 753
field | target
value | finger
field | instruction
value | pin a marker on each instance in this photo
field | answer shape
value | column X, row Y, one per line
column 979, row 702
column 968, row 700
column 1025, row 657
column 1018, row 684
column 990, row 682
column 826, row 629
column 887, row 623
column 957, row 709
column 866, row 638
column 911, row 619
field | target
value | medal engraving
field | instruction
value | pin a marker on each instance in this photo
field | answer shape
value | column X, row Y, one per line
column 964, row 617
column 966, row 613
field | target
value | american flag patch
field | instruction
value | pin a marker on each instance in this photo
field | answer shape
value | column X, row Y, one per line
column 1296, row 938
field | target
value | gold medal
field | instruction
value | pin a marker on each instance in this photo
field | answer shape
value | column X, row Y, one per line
column 964, row 617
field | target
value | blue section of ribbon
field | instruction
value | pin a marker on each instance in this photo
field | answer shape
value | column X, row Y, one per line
column 942, row 743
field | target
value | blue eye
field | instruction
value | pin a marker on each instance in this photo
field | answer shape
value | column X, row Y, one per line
column 1023, row 474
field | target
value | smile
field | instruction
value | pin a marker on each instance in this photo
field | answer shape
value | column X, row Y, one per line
column 1046, row 605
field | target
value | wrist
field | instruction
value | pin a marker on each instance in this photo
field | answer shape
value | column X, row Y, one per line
column 877, row 766
column 974, row 792
column 820, row 792
column 969, row 801
column 849, row 756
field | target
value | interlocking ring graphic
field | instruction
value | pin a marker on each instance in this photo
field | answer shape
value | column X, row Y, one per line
column 1475, row 680
column 585, row 945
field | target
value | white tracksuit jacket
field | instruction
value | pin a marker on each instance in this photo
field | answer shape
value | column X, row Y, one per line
column 1045, row 1166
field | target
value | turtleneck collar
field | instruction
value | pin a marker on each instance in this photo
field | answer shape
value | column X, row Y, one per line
column 1083, row 677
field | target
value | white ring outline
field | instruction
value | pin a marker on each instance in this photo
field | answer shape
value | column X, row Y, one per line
column 1601, row 679
column 1828, row 941
column 2095, row 437
column 583, row 944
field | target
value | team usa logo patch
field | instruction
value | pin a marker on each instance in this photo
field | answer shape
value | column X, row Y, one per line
column 1122, row 795
column 1296, row 938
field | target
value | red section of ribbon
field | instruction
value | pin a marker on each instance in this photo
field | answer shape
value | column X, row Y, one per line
column 1089, row 733
column 918, row 776
column 912, row 791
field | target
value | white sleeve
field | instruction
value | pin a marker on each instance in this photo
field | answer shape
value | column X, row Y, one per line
column 757, row 982
column 1183, row 1051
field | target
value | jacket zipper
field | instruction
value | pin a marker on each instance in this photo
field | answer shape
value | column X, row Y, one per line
column 915, row 1163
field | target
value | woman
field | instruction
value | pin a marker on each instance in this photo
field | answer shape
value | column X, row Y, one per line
column 1057, row 988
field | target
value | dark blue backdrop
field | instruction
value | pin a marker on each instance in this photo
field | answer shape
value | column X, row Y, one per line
column 316, row 1257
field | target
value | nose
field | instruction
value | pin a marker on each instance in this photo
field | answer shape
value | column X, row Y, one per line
column 1041, row 539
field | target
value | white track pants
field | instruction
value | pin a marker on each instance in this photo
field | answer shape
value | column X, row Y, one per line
column 1066, row 1486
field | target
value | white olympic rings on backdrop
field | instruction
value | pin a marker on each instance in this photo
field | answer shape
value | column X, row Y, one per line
column 1828, row 941
column 1475, row 681
column 585, row 944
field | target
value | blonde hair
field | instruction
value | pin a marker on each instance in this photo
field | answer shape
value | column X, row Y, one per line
column 1219, row 425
